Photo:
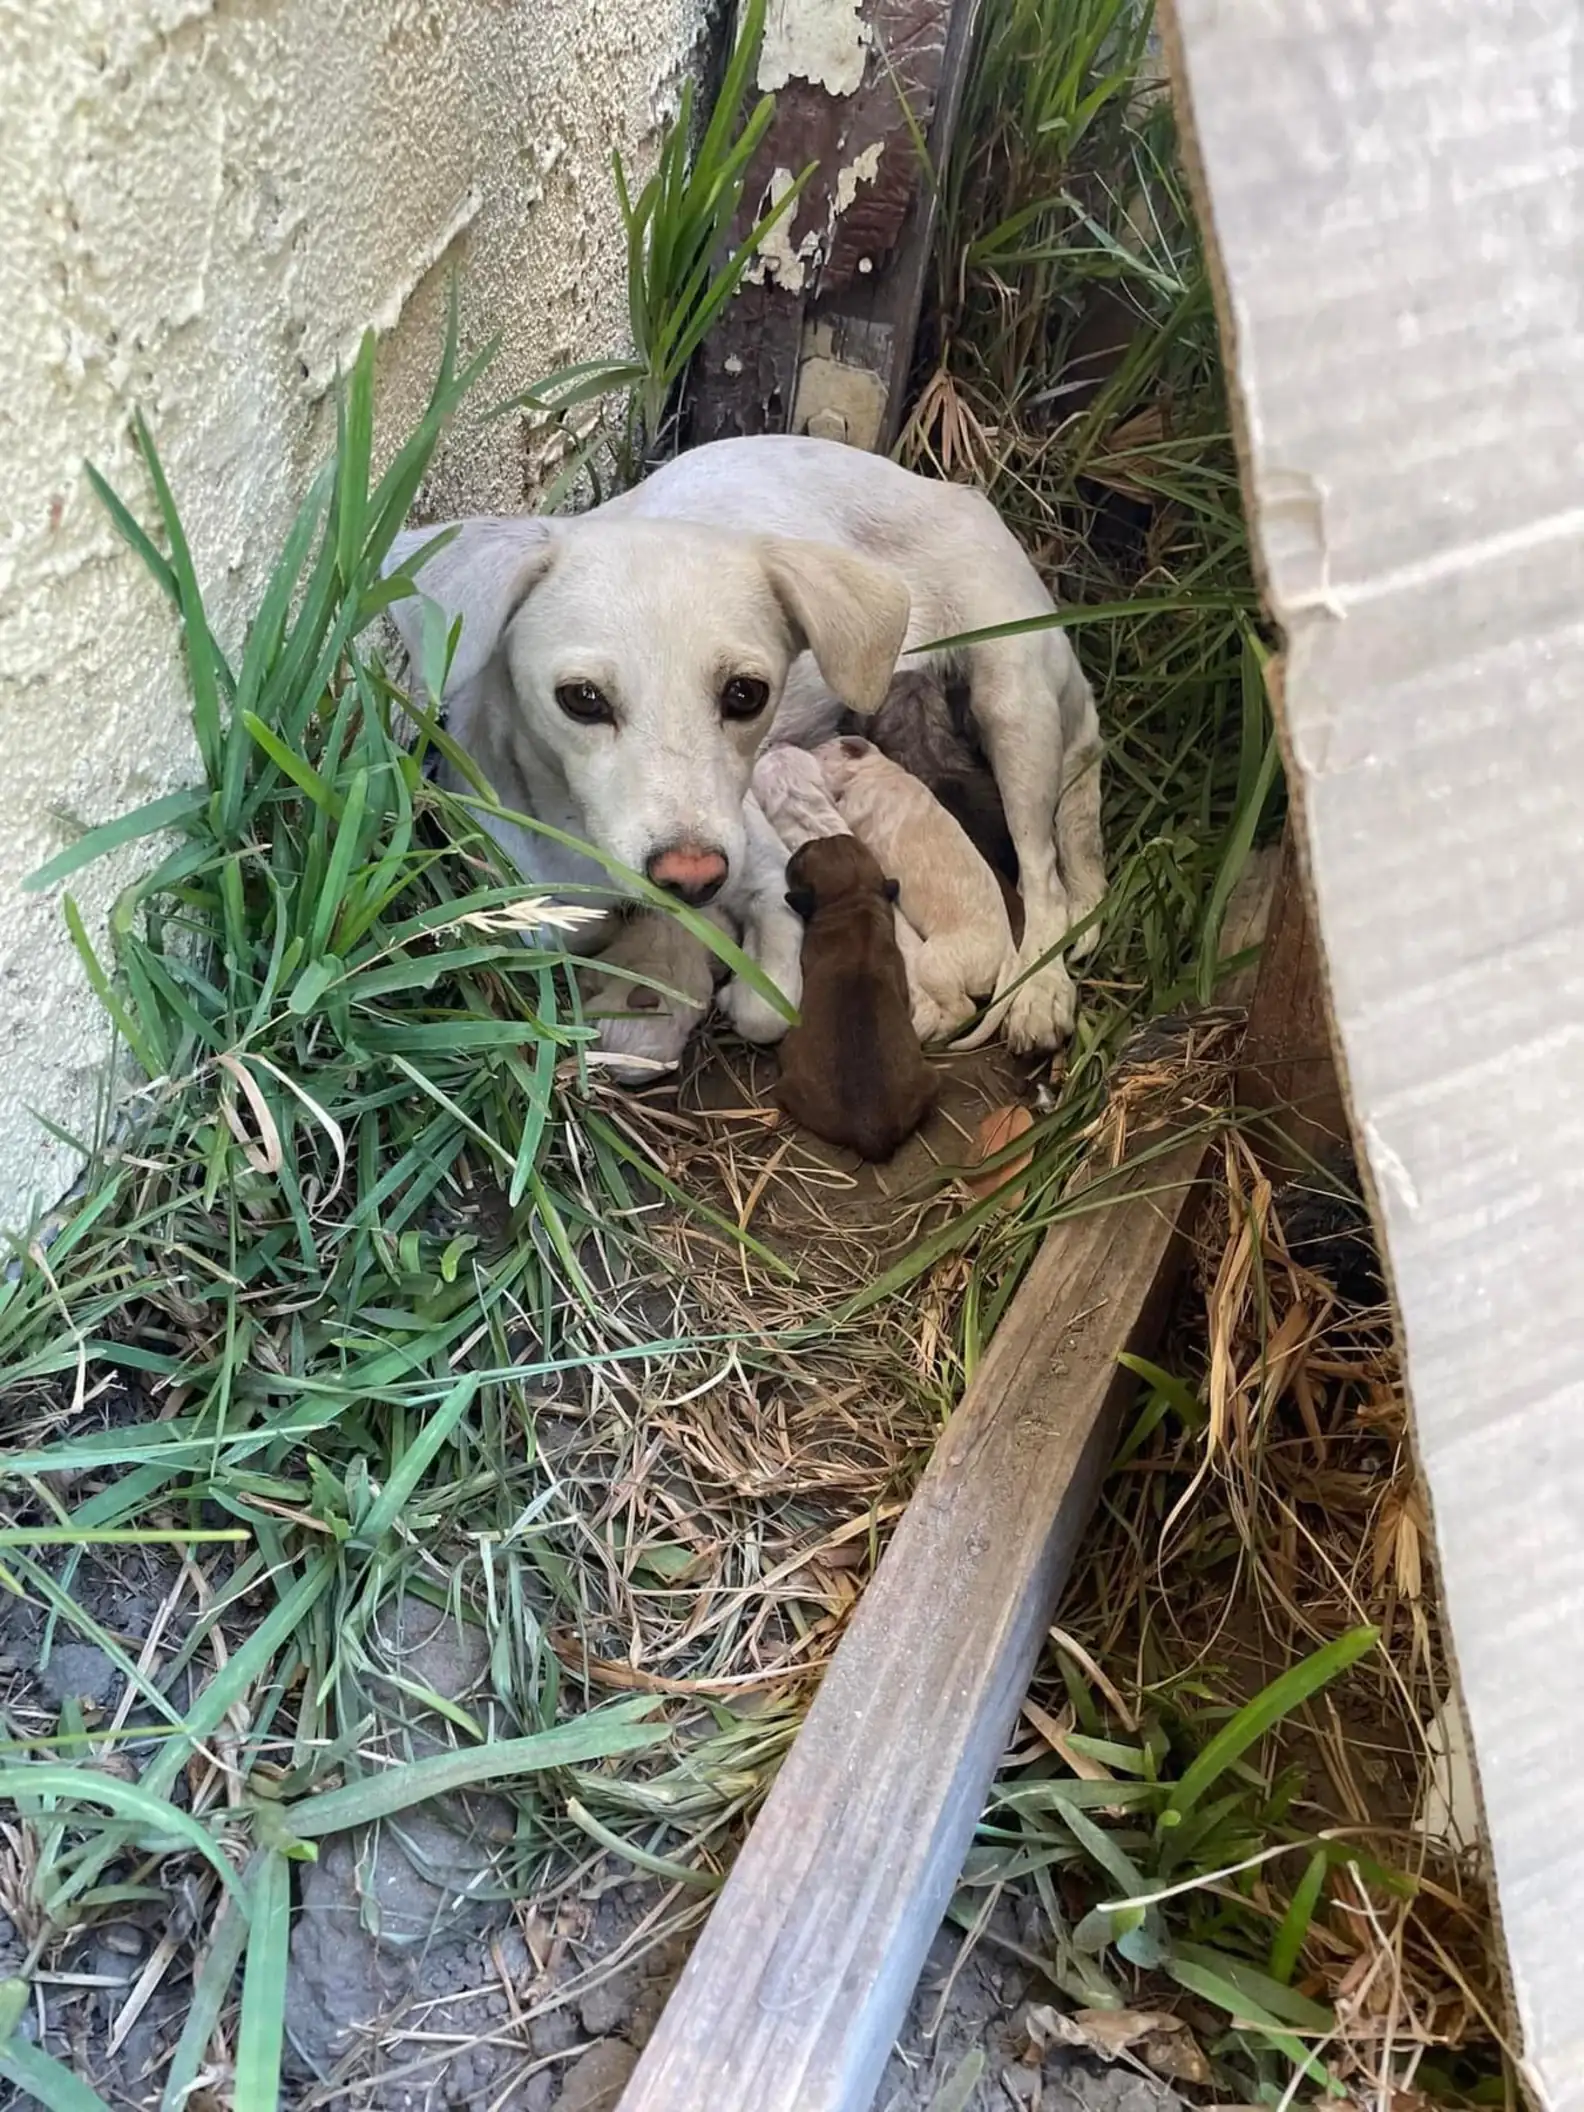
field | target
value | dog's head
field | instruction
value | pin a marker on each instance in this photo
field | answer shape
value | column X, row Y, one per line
column 834, row 869
column 639, row 664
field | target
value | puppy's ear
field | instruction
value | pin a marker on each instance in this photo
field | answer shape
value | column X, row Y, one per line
column 850, row 612
column 483, row 573
column 893, row 890
column 800, row 900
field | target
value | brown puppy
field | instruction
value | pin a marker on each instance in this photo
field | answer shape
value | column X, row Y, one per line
column 925, row 728
column 852, row 1071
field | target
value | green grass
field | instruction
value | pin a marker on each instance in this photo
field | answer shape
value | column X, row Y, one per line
column 346, row 1041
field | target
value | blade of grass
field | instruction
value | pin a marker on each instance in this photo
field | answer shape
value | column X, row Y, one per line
column 596, row 1737
column 261, row 2031
column 153, row 1815
column 39, row 2075
column 166, row 813
column 203, row 655
column 211, row 1990
column 1293, row 1929
column 352, row 467
column 416, row 1461
column 1284, row 1694
column 1215, row 1988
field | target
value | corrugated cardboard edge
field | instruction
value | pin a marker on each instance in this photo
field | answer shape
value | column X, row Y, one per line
column 1535, row 1930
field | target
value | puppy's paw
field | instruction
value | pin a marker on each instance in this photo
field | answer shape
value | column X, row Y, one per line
column 1041, row 1012
column 753, row 1017
column 641, row 1033
column 930, row 1021
column 773, row 941
column 937, row 1015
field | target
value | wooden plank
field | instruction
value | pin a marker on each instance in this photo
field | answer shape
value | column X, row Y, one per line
column 1288, row 1067
column 820, row 337
column 1244, row 928
column 870, row 319
column 1408, row 377
column 801, row 1979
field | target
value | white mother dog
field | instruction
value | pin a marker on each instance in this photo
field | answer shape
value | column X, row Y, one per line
column 619, row 670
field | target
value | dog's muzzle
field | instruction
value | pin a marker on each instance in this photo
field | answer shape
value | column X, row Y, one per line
column 694, row 873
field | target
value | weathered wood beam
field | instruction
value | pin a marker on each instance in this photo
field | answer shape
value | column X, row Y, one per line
column 821, row 337
column 801, row 1979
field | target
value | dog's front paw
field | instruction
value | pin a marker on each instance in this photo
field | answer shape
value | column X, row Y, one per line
column 643, row 1031
column 1041, row 1012
column 773, row 941
column 753, row 1016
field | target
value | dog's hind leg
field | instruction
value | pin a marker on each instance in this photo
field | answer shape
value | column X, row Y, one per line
column 1017, row 708
column 1080, row 846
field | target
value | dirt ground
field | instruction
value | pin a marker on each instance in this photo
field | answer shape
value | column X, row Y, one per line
column 539, row 2007
column 403, row 1995
column 812, row 1190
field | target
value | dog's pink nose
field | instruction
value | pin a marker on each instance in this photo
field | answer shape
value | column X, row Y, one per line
column 692, row 870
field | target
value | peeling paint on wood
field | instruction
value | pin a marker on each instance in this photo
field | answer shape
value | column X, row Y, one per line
column 855, row 85
column 824, row 42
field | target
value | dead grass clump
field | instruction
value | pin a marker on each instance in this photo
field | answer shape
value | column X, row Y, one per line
column 1323, row 1919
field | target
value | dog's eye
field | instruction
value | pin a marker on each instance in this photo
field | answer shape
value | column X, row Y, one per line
column 584, row 702
column 744, row 697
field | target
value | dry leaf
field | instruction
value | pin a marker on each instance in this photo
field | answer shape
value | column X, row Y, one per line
column 999, row 1129
column 1054, row 1731
column 264, row 1157
column 1449, row 1807
column 1161, row 2041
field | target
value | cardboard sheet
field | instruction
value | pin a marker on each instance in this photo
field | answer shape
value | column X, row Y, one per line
column 1396, row 203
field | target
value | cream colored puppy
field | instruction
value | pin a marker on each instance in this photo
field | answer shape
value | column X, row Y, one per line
column 949, row 894
column 789, row 786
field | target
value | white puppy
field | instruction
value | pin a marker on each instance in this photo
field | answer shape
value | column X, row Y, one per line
column 949, row 894
column 618, row 672
column 789, row 786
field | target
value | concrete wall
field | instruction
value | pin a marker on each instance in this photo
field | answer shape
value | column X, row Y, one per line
column 203, row 205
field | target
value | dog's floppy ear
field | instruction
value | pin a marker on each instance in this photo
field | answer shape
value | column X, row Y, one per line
column 851, row 613
column 483, row 574
column 800, row 900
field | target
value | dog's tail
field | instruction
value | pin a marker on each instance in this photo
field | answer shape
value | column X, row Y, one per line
column 1001, row 998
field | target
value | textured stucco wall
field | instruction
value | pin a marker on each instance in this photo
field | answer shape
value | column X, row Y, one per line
column 202, row 205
